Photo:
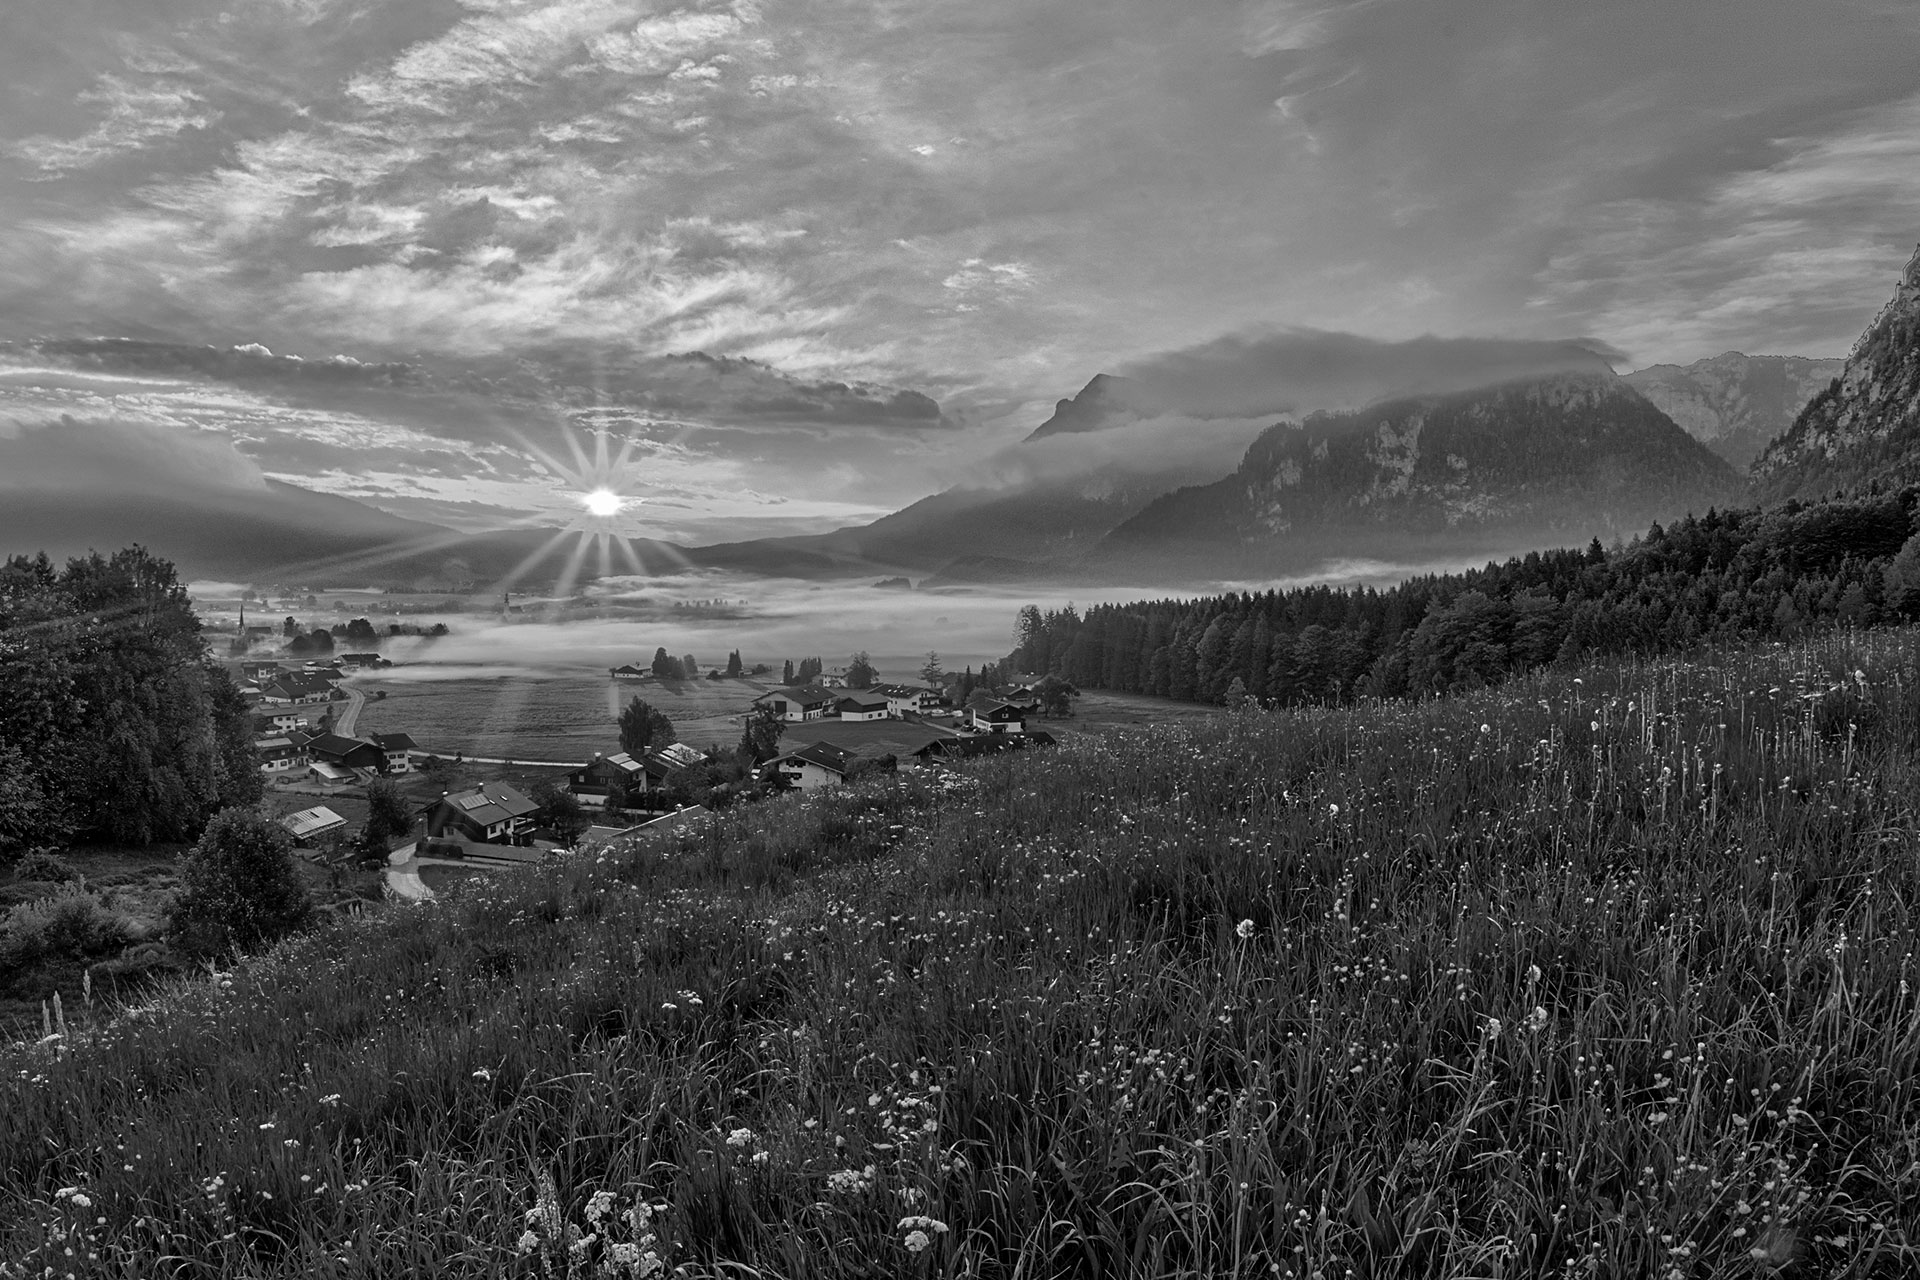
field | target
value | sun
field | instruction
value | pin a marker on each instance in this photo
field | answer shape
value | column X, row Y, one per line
column 602, row 502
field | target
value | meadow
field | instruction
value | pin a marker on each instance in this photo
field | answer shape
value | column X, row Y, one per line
column 1604, row 972
column 564, row 714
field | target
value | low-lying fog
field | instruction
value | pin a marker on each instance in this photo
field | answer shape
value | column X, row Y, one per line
column 767, row 619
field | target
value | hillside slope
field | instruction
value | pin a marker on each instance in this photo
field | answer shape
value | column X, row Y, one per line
column 1427, row 989
column 1864, row 428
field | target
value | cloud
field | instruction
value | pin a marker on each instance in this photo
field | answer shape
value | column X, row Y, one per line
column 1295, row 370
column 136, row 115
column 112, row 455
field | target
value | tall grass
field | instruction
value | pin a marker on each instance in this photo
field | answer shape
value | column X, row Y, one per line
column 1607, row 972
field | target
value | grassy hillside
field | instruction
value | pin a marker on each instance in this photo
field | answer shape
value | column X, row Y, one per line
column 1605, row 972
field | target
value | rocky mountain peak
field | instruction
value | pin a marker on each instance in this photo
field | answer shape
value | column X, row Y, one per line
column 1864, row 428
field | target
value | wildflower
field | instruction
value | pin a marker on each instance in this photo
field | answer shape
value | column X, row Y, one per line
column 916, row 1241
column 483, row 1074
column 1533, row 975
column 1537, row 1020
column 528, row 1243
column 1333, row 811
column 1493, row 1028
column 1244, row 929
column 740, row 1138
column 599, row 1206
column 331, row 1100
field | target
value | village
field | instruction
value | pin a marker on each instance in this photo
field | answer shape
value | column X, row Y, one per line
column 821, row 731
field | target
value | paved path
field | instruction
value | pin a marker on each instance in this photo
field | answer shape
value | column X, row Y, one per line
column 403, row 875
column 423, row 753
column 355, row 700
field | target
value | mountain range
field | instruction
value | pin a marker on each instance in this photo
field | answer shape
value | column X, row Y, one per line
column 1557, row 458
column 1735, row 404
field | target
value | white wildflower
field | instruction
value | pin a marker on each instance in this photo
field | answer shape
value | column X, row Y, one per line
column 1244, row 929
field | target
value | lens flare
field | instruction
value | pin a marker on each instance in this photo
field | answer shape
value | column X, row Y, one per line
column 602, row 502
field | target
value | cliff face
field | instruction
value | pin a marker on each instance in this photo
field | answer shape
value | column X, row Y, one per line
column 1569, row 456
column 1864, row 428
column 1735, row 404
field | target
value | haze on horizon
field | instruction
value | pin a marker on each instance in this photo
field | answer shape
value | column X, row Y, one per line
column 786, row 268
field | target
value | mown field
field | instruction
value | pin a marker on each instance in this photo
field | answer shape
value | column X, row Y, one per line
column 1605, row 972
column 565, row 717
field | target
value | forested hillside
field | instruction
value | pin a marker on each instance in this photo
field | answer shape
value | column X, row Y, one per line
column 1725, row 576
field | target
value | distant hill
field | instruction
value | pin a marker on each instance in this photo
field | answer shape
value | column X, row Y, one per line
column 1557, row 459
column 1735, row 404
column 1864, row 428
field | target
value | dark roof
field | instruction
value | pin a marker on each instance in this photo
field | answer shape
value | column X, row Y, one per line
column 868, row 700
column 807, row 695
column 870, row 737
column 395, row 741
column 488, row 804
column 332, row 744
column 824, row 754
column 622, row 761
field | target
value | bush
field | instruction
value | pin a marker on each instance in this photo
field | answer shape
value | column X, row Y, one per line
column 70, row 922
column 45, row 864
column 240, row 887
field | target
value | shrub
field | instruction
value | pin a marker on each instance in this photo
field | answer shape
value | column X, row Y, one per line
column 240, row 887
column 69, row 922
column 45, row 864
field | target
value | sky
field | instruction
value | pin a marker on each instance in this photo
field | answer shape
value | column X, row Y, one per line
column 771, row 268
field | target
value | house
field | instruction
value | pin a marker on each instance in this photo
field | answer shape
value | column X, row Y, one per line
column 605, row 776
column 630, row 672
column 345, row 753
column 802, row 702
column 310, row 824
column 988, row 714
column 818, row 764
column 280, row 755
column 298, row 686
column 905, row 699
column 865, row 705
column 275, row 722
column 832, row 680
column 259, row 672
column 909, row 742
column 491, row 813
column 399, row 749
column 363, row 661
column 663, row 763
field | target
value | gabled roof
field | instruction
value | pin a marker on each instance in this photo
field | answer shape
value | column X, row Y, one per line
column 678, row 755
column 488, row 804
column 311, row 822
column 807, row 695
column 270, row 744
column 332, row 744
column 622, row 761
column 867, row 700
column 395, row 741
column 824, row 754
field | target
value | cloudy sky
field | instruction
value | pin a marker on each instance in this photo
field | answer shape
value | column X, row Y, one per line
column 786, row 266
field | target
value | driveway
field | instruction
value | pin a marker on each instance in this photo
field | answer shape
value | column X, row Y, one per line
column 403, row 875
column 343, row 725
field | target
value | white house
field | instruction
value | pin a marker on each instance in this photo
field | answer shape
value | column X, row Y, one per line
column 905, row 698
column 802, row 702
column 818, row 764
column 991, row 715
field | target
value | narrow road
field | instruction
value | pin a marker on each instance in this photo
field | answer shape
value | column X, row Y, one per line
column 343, row 725
column 403, row 876
column 423, row 753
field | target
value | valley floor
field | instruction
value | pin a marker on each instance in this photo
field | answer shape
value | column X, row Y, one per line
column 1603, row 972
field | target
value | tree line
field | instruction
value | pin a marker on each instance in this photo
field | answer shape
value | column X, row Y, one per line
column 1728, row 576
column 116, row 725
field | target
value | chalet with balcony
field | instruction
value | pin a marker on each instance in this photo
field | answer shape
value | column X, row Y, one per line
column 491, row 813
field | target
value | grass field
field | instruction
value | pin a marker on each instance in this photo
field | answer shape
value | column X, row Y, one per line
column 566, row 716
column 1600, row 973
